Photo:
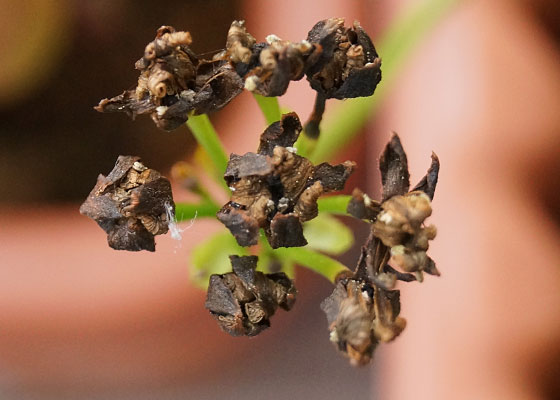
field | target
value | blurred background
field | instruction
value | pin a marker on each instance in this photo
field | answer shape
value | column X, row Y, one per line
column 481, row 88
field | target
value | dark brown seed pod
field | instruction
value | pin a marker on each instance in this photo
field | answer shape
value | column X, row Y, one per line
column 132, row 204
column 243, row 301
column 346, row 66
column 174, row 82
column 275, row 189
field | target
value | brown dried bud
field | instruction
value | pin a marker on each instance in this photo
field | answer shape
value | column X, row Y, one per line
column 276, row 189
column 174, row 82
column 132, row 204
column 279, row 62
column 401, row 219
column 239, row 43
column 243, row 301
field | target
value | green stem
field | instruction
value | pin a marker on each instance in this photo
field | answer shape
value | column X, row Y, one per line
column 334, row 204
column 206, row 136
column 341, row 126
column 305, row 145
column 317, row 262
column 269, row 107
column 187, row 211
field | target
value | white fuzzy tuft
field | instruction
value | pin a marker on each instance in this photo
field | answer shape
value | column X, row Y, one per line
column 174, row 229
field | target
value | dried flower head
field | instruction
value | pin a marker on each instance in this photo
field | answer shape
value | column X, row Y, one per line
column 174, row 82
column 243, row 301
column 399, row 220
column 347, row 66
column 363, row 309
column 132, row 204
column 361, row 314
column 276, row 189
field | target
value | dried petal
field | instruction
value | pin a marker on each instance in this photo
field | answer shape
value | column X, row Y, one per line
column 429, row 181
column 243, row 301
column 394, row 169
column 333, row 177
column 132, row 204
column 283, row 133
column 286, row 231
column 361, row 206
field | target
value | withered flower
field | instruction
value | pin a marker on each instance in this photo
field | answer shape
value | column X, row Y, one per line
column 268, row 67
column 361, row 314
column 348, row 66
column 275, row 189
column 399, row 220
column 174, row 82
column 243, row 301
column 132, row 204
column 363, row 310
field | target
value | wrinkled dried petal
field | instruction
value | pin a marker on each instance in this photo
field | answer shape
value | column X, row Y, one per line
column 429, row 181
column 283, row 133
column 276, row 189
column 286, row 231
column 399, row 275
column 132, row 204
column 394, row 169
column 242, row 226
column 306, row 207
column 250, row 164
column 243, row 301
column 333, row 177
column 387, row 324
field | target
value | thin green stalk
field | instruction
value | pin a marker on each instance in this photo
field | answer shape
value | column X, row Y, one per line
column 269, row 107
column 395, row 48
column 206, row 136
column 317, row 262
column 187, row 211
column 334, row 204
column 305, row 145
